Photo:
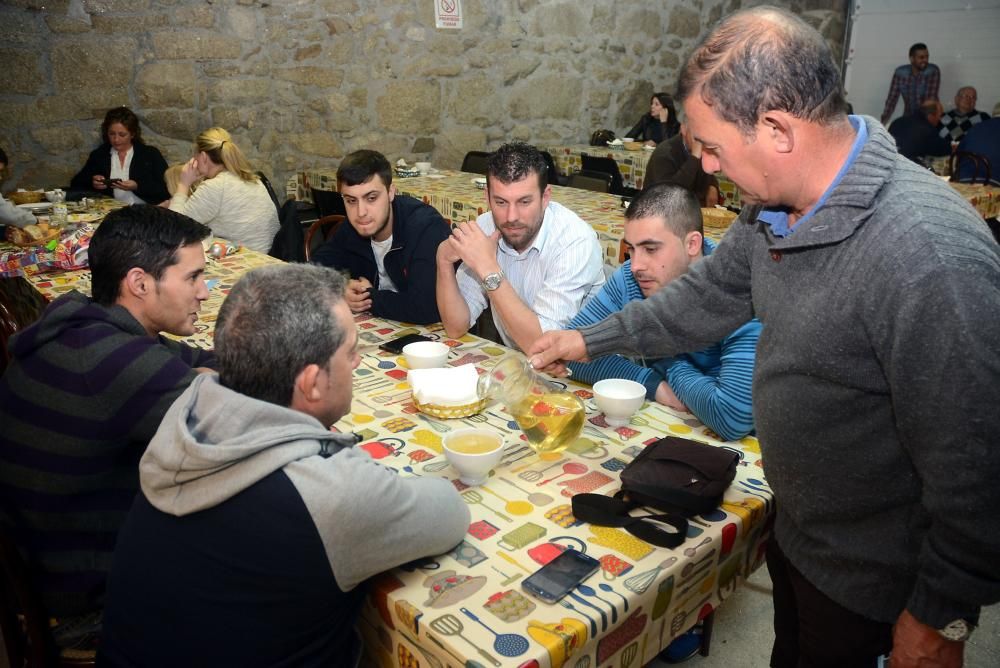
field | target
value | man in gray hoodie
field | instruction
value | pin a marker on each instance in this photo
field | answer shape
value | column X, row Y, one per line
column 876, row 384
column 256, row 523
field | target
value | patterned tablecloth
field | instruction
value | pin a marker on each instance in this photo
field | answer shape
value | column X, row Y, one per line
column 467, row 607
column 984, row 199
column 220, row 275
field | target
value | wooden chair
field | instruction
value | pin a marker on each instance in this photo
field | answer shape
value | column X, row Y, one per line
column 980, row 164
column 24, row 625
column 585, row 179
column 475, row 162
column 326, row 227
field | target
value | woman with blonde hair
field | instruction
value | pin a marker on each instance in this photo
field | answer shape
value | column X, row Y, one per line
column 231, row 199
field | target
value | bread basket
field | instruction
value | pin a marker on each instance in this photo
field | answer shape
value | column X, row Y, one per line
column 633, row 145
column 26, row 196
column 453, row 411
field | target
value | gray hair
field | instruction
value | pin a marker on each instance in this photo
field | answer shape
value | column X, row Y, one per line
column 676, row 206
column 764, row 59
column 276, row 321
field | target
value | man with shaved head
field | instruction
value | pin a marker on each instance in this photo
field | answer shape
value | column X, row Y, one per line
column 875, row 389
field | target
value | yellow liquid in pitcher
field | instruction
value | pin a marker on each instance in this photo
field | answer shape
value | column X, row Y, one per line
column 550, row 422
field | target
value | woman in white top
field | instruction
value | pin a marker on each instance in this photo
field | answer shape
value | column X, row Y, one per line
column 231, row 199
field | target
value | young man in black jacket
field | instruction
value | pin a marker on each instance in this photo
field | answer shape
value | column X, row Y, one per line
column 389, row 248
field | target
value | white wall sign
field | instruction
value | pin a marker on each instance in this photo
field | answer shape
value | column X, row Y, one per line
column 448, row 14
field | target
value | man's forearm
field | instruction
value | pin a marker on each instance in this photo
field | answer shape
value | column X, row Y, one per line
column 451, row 305
column 521, row 323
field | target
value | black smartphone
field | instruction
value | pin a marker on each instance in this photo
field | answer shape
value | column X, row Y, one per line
column 396, row 345
column 561, row 575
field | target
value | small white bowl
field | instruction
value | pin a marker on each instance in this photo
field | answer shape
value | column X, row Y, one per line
column 618, row 399
column 423, row 167
column 473, row 467
column 425, row 354
column 480, row 182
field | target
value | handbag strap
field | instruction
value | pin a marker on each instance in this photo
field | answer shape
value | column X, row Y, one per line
column 614, row 512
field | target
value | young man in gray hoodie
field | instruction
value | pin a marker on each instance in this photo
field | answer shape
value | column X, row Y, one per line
column 257, row 524
column 876, row 384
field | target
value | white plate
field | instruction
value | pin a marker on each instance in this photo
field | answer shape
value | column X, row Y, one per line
column 648, row 148
column 35, row 206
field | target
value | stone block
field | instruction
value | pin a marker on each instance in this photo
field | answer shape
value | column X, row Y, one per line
column 61, row 138
column 109, row 24
column 423, row 145
column 640, row 24
column 308, row 52
column 78, row 66
column 310, row 75
column 561, row 19
column 195, row 44
column 471, row 101
column 195, row 17
column 450, row 147
column 176, row 124
column 239, row 91
column 166, row 84
column 432, row 65
column 227, row 117
column 410, row 107
column 316, row 143
column 115, row 6
column 545, row 97
column 518, row 67
column 21, row 72
column 19, row 28
column 684, row 22
column 63, row 25
column 244, row 23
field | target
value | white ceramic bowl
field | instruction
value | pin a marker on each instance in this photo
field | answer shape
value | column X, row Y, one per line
column 473, row 468
column 425, row 354
column 423, row 167
column 55, row 195
column 618, row 399
column 480, row 182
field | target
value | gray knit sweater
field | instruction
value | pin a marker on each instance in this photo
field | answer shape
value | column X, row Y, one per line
column 877, row 386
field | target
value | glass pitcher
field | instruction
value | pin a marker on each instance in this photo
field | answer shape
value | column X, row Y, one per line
column 550, row 416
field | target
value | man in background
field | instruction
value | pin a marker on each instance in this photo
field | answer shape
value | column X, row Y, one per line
column 955, row 123
column 678, row 161
column 390, row 245
column 532, row 261
column 86, row 389
column 256, row 524
column 917, row 135
column 915, row 82
column 664, row 238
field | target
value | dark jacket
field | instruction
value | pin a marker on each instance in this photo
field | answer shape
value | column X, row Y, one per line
column 147, row 170
column 671, row 163
column 649, row 128
column 916, row 137
column 417, row 230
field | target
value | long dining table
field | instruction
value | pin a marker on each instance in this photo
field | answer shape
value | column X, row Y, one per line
column 466, row 607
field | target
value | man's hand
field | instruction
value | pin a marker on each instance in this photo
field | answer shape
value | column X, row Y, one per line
column 916, row 645
column 551, row 351
column 447, row 253
column 474, row 248
column 358, row 295
column 665, row 395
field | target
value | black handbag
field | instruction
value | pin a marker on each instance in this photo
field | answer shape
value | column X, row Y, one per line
column 675, row 475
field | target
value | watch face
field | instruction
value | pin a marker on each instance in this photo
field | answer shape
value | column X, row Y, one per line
column 957, row 630
column 492, row 281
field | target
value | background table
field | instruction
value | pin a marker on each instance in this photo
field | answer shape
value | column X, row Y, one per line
column 639, row 601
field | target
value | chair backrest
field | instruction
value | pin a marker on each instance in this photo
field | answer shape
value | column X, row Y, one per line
column 22, row 621
column 604, row 164
column 553, row 175
column 289, row 239
column 326, row 227
column 475, row 162
column 328, row 203
column 961, row 170
column 587, row 180
column 270, row 192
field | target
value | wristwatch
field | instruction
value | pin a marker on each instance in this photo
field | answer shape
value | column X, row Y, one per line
column 492, row 281
column 957, row 631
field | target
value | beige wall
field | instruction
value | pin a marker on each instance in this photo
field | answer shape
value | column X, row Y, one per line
column 300, row 83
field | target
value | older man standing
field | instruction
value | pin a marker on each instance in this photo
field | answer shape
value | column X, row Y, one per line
column 531, row 260
column 916, row 82
column 955, row 123
column 876, row 389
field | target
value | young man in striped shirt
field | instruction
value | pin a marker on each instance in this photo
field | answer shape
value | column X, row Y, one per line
column 86, row 389
column 663, row 234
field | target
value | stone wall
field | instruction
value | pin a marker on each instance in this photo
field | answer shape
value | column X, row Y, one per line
column 299, row 83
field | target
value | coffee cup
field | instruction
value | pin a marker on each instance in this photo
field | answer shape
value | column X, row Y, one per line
column 473, row 453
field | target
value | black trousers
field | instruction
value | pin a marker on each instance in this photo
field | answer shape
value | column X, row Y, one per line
column 813, row 631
